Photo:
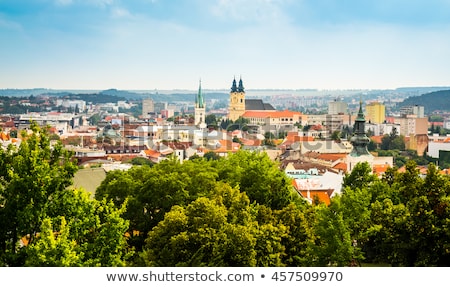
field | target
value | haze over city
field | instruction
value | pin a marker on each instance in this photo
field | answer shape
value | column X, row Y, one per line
column 284, row 44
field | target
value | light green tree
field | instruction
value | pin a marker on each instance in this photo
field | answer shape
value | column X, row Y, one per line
column 30, row 175
column 52, row 249
column 97, row 227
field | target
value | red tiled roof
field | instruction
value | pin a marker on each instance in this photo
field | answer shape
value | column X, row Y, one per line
column 380, row 168
column 227, row 146
column 270, row 114
column 248, row 142
column 390, row 120
column 376, row 139
column 309, row 190
column 331, row 156
column 321, row 195
column 304, row 139
column 152, row 153
column 341, row 166
column 4, row 136
column 445, row 171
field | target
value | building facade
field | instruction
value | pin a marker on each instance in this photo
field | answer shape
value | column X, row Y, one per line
column 376, row 113
column 237, row 100
column 147, row 108
column 412, row 125
column 418, row 111
column 337, row 108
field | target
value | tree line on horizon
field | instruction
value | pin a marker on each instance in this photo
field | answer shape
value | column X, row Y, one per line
column 235, row 211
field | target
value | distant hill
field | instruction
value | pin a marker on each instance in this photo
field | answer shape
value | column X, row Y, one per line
column 23, row 92
column 122, row 94
column 96, row 98
column 434, row 101
column 185, row 97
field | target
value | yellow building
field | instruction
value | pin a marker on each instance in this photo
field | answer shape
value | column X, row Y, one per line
column 376, row 113
column 237, row 101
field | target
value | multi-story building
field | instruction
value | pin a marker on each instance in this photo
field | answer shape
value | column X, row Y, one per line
column 159, row 106
column 416, row 110
column 381, row 129
column 330, row 123
column 147, row 108
column 63, row 122
column 72, row 104
column 274, row 121
column 337, row 108
column 412, row 125
column 376, row 112
column 438, row 144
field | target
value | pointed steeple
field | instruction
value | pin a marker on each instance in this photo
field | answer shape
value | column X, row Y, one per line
column 241, row 86
column 199, row 101
column 234, row 87
column 360, row 112
column 359, row 139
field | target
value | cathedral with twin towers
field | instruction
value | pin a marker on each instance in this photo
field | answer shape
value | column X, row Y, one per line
column 238, row 104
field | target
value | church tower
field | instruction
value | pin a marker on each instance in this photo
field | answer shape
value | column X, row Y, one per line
column 359, row 140
column 237, row 100
column 200, row 110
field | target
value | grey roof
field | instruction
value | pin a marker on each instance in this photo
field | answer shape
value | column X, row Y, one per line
column 257, row 105
column 268, row 106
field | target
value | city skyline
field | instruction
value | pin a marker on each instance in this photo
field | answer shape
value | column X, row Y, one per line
column 284, row 44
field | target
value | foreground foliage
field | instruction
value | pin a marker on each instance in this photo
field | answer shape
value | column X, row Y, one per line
column 235, row 211
column 43, row 223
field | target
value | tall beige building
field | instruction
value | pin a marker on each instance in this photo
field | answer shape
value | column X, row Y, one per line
column 411, row 125
column 237, row 101
column 337, row 108
column 376, row 113
column 148, row 106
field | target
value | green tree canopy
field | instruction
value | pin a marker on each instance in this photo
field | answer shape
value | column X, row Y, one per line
column 30, row 176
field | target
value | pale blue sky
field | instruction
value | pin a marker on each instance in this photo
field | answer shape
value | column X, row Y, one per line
column 170, row 44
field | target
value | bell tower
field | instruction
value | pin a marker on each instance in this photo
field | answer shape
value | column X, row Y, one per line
column 237, row 100
column 200, row 109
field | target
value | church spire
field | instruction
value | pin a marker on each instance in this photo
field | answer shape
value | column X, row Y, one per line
column 359, row 139
column 234, row 87
column 241, row 86
column 199, row 101
column 360, row 121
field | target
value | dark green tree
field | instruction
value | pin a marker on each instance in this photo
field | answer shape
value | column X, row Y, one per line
column 210, row 155
column 211, row 120
column 259, row 177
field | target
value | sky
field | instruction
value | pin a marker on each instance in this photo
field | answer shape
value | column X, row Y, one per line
column 271, row 44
